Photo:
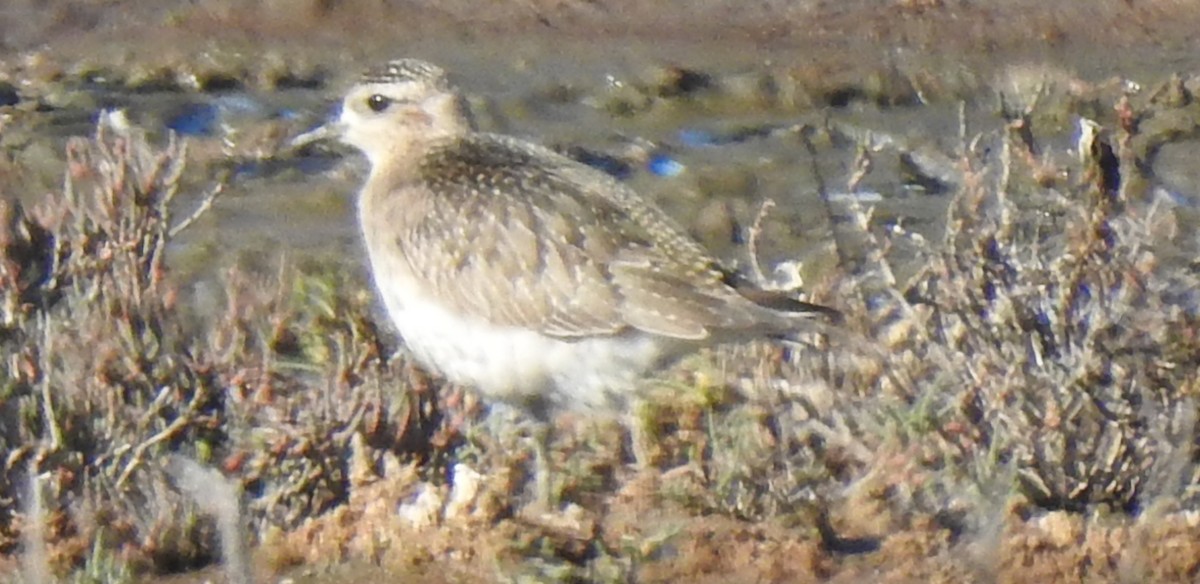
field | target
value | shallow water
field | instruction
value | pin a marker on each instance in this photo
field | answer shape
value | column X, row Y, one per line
column 710, row 154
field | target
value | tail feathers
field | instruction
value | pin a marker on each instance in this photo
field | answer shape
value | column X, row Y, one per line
column 788, row 305
column 801, row 322
column 779, row 301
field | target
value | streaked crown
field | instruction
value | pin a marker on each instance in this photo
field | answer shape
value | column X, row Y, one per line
column 407, row 70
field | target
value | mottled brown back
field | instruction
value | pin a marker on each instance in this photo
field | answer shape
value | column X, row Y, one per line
column 521, row 236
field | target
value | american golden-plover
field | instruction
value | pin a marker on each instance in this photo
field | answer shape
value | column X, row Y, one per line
column 521, row 273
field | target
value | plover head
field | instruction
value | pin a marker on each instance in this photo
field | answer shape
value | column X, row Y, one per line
column 395, row 108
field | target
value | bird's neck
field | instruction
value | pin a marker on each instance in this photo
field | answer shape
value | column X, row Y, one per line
column 400, row 163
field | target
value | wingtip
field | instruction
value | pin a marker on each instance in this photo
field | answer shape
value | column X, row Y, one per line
column 834, row 315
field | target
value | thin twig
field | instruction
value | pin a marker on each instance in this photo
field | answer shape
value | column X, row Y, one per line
column 835, row 218
column 862, row 167
column 56, row 436
column 177, row 425
column 756, row 232
column 209, row 198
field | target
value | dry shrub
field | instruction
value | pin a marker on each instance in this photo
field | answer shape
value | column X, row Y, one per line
column 1070, row 345
column 105, row 371
column 1044, row 355
column 1048, row 346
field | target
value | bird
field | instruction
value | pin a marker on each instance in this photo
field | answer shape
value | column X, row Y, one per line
column 534, row 279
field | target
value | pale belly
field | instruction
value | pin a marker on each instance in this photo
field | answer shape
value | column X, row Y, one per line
column 522, row 366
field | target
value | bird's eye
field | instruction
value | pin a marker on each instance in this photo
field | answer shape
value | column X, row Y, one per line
column 378, row 102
